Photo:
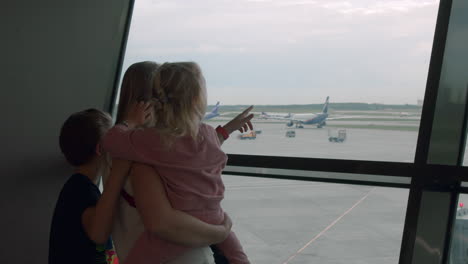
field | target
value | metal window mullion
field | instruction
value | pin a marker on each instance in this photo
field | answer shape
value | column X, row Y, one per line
column 109, row 104
column 425, row 132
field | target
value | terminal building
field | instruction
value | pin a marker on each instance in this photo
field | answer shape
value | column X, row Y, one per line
column 60, row 57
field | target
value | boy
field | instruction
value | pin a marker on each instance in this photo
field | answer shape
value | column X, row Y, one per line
column 82, row 220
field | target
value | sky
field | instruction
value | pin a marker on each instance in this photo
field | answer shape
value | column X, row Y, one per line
column 292, row 51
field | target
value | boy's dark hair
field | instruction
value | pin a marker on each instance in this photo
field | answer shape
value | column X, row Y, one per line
column 81, row 133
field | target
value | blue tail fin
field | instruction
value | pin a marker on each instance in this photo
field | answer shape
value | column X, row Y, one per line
column 215, row 108
column 325, row 106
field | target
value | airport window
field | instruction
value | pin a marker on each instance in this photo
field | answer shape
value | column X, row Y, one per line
column 285, row 221
column 454, row 80
column 459, row 246
column 338, row 90
column 333, row 80
column 329, row 79
column 453, row 92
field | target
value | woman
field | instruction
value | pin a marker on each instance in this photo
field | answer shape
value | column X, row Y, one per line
column 145, row 186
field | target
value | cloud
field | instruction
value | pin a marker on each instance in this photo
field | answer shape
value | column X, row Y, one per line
column 296, row 3
column 337, row 5
column 313, row 48
column 377, row 7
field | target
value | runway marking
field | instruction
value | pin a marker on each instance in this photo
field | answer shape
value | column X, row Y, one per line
column 328, row 227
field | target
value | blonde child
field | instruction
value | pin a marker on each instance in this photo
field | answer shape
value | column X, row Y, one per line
column 184, row 152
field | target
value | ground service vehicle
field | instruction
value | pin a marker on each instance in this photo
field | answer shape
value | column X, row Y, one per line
column 250, row 135
column 340, row 136
column 290, row 133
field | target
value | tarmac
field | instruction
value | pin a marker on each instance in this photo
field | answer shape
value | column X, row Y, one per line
column 285, row 221
column 310, row 141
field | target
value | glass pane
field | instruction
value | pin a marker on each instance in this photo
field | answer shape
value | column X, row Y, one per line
column 370, row 58
column 284, row 221
column 431, row 230
column 447, row 133
column 459, row 245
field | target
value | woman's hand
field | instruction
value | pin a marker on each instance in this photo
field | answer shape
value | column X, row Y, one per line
column 138, row 114
column 241, row 122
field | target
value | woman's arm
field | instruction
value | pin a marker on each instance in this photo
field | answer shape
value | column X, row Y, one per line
column 161, row 219
column 98, row 220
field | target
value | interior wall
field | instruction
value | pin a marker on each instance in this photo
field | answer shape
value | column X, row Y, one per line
column 58, row 57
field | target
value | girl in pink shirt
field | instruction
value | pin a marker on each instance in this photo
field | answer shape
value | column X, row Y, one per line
column 186, row 154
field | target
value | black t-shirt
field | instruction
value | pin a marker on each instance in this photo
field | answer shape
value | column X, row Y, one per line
column 68, row 240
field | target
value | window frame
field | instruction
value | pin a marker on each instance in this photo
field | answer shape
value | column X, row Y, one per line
column 424, row 177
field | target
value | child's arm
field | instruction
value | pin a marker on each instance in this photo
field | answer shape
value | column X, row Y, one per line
column 120, row 140
column 241, row 122
column 97, row 221
column 161, row 219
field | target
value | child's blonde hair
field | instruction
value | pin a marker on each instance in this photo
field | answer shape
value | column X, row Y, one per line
column 179, row 99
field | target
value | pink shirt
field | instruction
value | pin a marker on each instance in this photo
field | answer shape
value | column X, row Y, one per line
column 191, row 172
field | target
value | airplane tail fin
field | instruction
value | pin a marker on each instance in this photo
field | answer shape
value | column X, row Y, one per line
column 215, row 108
column 325, row 106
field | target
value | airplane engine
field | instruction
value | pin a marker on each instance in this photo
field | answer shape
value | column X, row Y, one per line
column 320, row 125
column 290, row 123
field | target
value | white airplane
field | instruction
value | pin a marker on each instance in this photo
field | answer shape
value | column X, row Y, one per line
column 213, row 113
column 299, row 120
column 265, row 115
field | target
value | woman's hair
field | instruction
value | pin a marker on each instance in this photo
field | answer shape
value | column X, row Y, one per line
column 137, row 85
column 180, row 99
